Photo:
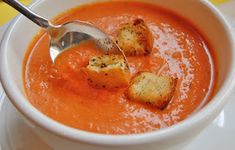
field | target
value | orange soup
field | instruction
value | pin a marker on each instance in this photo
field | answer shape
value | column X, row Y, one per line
column 179, row 50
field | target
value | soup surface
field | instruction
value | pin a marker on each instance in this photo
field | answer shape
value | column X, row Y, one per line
column 178, row 51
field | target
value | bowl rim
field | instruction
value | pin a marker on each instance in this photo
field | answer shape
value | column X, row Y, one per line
column 41, row 120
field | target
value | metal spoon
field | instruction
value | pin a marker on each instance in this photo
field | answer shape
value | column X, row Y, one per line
column 70, row 34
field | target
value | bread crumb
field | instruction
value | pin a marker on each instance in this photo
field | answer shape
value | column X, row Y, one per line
column 107, row 71
column 135, row 39
column 150, row 88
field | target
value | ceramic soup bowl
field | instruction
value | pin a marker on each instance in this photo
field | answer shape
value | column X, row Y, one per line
column 201, row 13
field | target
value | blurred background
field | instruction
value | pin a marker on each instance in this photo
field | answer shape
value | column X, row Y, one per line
column 7, row 13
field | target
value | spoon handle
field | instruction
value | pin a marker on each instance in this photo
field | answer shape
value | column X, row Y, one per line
column 42, row 22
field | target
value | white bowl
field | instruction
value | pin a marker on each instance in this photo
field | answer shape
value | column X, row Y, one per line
column 60, row 137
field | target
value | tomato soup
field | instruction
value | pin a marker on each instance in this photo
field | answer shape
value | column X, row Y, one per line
column 179, row 50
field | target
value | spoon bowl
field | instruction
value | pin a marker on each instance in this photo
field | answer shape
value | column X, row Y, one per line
column 63, row 37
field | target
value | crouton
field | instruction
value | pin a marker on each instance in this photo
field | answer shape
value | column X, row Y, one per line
column 107, row 71
column 149, row 88
column 135, row 39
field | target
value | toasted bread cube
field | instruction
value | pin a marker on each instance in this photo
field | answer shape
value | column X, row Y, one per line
column 107, row 71
column 150, row 88
column 135, row 39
